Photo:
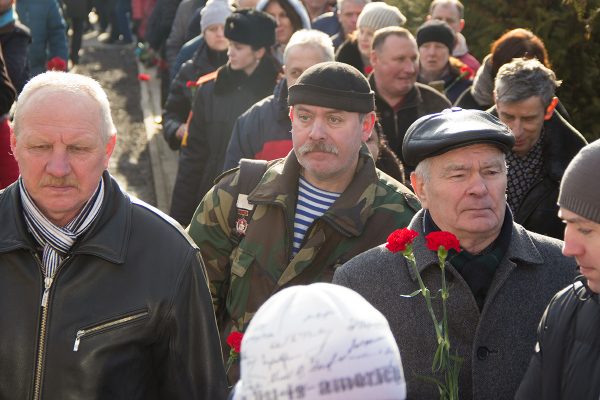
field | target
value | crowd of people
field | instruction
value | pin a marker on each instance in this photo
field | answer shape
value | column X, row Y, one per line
column 307, row 132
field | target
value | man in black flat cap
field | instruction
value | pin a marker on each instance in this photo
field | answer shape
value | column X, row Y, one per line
column 499, row 283
column 300, row 217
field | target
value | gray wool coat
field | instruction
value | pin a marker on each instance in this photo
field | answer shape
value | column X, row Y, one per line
column 496, row 343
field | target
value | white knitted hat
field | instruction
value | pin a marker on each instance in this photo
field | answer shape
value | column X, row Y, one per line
column 380, row 15
column 214, row 12
column 322, row 340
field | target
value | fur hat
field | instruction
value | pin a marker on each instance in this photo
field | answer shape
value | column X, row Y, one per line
column 334, row 85
column 251, row 27
column 380, row 15
column 214, row 12
column 323, row 340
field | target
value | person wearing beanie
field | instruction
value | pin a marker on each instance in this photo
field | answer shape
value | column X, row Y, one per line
column 210, row 55
column 566, row 363
column 290, row 15
column 323, row 321
column 219, row 98
column 356, row 51
column 268, row 225
column 438, row 68
column 501, row 279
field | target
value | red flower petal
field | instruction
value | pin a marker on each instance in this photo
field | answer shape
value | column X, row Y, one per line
column 399, row 239
column 234, row 340
column 447, row 240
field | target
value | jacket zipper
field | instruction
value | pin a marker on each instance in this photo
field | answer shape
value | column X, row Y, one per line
column 107, row 325
column 39, row 367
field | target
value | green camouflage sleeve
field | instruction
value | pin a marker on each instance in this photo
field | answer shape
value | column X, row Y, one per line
column 211, row 232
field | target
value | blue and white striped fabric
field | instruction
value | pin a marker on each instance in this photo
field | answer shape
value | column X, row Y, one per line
column 311, row 204
column 56, row 240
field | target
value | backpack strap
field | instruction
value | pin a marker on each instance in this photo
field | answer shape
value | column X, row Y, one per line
column 251, row 172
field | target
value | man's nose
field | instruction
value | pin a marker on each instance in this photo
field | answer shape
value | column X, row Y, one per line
column 517, row 128
column 477, row 185
column 317, row 130
column 58, row 165
column 571, row 246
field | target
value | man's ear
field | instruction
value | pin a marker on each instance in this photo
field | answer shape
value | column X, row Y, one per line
column 373, row 58
column 13, row 143
column 550, row 108
column 367, row 125
column 418, row 185
column 462, row 25
column 291, row 114
column 110, row 146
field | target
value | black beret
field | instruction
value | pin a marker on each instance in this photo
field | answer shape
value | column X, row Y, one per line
column 333, row 85
column 438, row 133
column 251, row 27
column 436, row 30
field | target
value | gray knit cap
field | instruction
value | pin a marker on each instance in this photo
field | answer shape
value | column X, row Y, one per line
column 380, row 15
column 214, row 12
column 579, row 189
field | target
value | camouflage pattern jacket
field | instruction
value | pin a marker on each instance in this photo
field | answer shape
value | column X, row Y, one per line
column 243, row 276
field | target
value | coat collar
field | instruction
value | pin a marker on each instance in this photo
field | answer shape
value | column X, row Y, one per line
column 411, row 99
column 347, row 215
column 521, row 251
column 107, row 238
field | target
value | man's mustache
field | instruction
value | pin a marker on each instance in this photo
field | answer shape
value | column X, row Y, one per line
column 58, row 181
column 317, row 146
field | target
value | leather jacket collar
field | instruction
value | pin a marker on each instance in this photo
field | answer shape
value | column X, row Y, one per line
column 107, row 238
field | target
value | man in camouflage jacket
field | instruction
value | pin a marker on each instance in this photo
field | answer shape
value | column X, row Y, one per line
column 248, row 261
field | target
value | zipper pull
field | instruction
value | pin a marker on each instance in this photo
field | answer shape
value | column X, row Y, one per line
column 80, row 333
column 47, row 284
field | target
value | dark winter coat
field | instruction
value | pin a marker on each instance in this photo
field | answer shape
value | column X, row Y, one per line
column 215, row 108
column 77, row 8
column 179, row 101
column 566, row 363
column 348, row 53
column 538, row 211
column 495, row 342
column 133, row 289
column 454, row 83
column 48, row 32
column 263, row 132
column 420, row 101
column 15, row 39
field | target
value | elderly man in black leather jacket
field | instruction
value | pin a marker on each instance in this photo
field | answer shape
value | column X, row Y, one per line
column 101, row 296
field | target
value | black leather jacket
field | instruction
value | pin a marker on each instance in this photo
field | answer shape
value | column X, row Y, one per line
column 538, row 211
column 128, row 316
column 566, row 364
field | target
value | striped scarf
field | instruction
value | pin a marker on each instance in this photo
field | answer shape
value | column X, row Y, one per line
column 56, row 240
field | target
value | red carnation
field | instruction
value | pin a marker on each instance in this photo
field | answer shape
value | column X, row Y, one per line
column 234, row 340
column 445, row 239
column 399, row 239
column 191, row 84
column 467, row 72
column 143, row 77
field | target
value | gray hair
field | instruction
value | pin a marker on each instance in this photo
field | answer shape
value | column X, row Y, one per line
column 523, row 78
column 459, row 6
column 423, row 169
column 340, row 3
column 313, row 38
column 54, row 81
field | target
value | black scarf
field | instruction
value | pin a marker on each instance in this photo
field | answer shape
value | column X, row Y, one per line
column 478, row 270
